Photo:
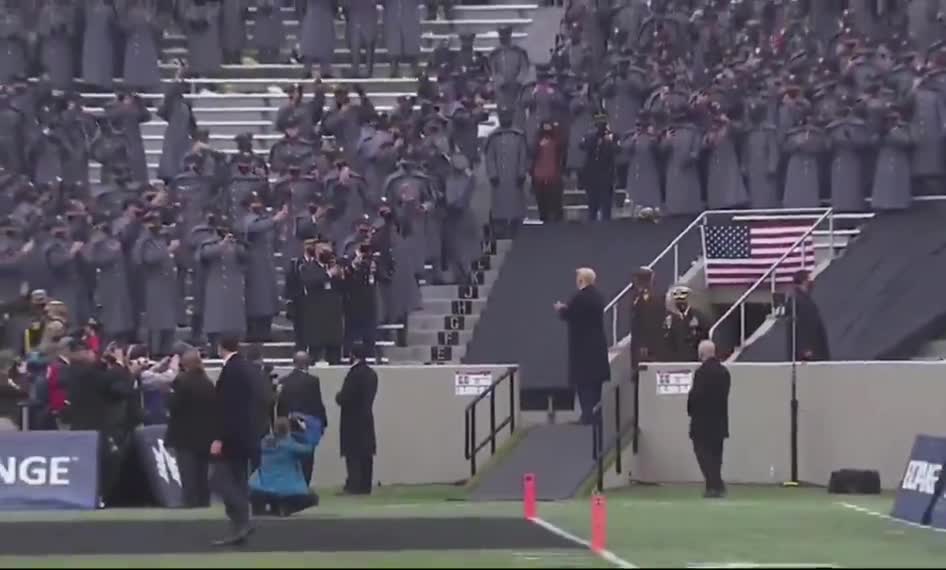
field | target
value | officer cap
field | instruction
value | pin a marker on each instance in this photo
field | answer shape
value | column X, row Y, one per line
column 680, row 293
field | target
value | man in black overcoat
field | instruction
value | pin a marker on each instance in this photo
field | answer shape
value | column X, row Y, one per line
column 358, row 442
column 314, row 287
column 647, row 317
column 301, row 392
column 811, row 338
column 588, row 365
column 708, row 408
column 235, row 440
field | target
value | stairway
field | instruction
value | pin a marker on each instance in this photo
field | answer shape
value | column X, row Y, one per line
column 882, row 299
column 247, row 97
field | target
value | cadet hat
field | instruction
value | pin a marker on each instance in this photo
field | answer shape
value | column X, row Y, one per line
column 467, row 38
column 243, row 138
column 505, row 31
column 39, row 297
column 680, row 293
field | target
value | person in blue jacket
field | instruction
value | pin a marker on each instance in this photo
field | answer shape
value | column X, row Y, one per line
column 279, row 486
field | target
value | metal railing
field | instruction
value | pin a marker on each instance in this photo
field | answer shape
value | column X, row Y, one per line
column 772, row 275
column 470, row 446
column 674, row 248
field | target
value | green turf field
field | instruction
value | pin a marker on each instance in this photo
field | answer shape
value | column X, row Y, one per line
column 648, row 527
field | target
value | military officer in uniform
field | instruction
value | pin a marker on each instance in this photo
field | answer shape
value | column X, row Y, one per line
column 154, row 256
column 684, row 327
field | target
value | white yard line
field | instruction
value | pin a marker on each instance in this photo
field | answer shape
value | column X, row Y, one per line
column 605, row 555
column 759, row 565
column 887, row 517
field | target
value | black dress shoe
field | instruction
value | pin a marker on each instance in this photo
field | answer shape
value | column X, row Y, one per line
column 235, row 540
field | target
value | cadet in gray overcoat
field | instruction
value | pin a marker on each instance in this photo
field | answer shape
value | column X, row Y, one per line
column 725, row 187
column 176, row 110
column 104, row 254
column 14, row 45
column 803, row 146
column 643, row 173
column 361, row 30
column 462, row 236
column 98, row 46
column 269, row 32
column 57, row 29
column 224, row 262
column 233, row 15
column 154, row 258
column 139, row 21
column 127, row 113
column 892, row 188
column 507, row 163
column 262, row 296
column 760, row 159
column 508, row 66
column 682, row 143
column 402, row 33
column 410, row 194
column 317, row 34
column 929, row 130
column 848, row 139
column 64, row 263
column 200, row 20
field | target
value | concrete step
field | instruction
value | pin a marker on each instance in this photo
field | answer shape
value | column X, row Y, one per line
column 425, row 354
column 453, row 292
column 433, row 322
column 439, row 338
column 453, row 307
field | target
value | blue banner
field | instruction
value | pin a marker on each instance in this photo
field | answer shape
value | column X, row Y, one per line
column 160, row 463
column 920, row 486
column 42, row 470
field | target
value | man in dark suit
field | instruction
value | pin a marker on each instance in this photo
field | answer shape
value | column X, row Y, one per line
column 810, row 338
column 647, row 317
column 588, row 365
column 708, row 408
column 358, row 443
column 236, row 438
column 301, row 392
column 191, row 425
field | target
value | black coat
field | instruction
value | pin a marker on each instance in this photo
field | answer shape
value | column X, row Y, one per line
column 811, row 338
column 316, row 303
column 192, row 408
column 357, row 419
column 301, row 393
column 708, row 402
column 236, row 409
column 647, row 318
column 587, row 345
column 98, row 396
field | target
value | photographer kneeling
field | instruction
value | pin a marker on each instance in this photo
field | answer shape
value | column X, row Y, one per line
column 278, row 487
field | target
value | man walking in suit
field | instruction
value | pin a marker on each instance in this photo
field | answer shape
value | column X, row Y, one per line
column 301, row 392
column 810, row 340
column 708, row 408
column 588, row 365
column 236, row 439
column 358, row 441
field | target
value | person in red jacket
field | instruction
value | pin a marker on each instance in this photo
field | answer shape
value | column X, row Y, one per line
column 548, row 168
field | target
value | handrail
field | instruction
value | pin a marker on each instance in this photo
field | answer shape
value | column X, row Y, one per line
column 470, row 447
column 771, row 272
column 674, row 246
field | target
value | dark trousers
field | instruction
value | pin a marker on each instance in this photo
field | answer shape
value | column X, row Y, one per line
column 589, row 395
column 331, row 353
column 230, row 482
column 160, row 343
column 281, row 506
column 195, row 477
column 364, row 332
column 259, row 329
column 307, row 463
column 360, row 469
column 549, row 198
column 600, row 203
column 709, row 454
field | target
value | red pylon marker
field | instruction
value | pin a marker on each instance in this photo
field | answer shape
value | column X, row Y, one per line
column 599, row 523
column 528, row 496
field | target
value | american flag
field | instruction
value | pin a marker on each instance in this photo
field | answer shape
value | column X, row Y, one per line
column 741, row 253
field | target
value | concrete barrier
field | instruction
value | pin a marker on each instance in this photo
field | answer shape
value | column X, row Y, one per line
column 851, row 414
column 419, row 420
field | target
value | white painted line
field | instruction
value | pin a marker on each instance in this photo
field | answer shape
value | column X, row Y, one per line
column 758, row 565
column 605, row 555
column 887, row 517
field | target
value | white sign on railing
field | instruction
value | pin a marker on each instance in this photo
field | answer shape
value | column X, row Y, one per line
column 674, row 382
column 472, row 383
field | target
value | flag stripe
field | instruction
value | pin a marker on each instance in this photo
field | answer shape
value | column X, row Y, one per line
column 741, row 253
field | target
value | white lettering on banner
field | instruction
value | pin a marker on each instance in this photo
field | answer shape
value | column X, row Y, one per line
column 921, row 477
column 36, row 470
column 472, row 383
column 166, row 463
